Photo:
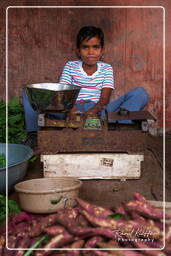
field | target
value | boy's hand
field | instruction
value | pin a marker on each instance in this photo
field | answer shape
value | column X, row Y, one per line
column 91, row 114
column 73, row 114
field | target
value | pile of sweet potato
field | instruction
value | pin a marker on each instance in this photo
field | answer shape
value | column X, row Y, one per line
column 132, row 225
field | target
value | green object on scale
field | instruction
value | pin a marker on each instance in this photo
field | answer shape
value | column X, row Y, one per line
column 92, row 124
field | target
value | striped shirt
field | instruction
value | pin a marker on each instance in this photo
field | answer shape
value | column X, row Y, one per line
column 91, row 86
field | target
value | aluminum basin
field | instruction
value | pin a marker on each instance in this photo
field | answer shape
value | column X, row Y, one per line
column 52, row 97
column 18, row 156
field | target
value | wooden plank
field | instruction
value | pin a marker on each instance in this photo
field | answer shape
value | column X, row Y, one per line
column 93, row 166
column 132, row 115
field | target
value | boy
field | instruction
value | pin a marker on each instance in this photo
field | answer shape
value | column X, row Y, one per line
column 95, row 79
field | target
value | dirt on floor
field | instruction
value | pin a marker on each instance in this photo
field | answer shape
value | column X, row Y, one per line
column 154, row 183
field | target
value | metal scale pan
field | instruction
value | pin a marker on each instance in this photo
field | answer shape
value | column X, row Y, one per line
column 52, row 97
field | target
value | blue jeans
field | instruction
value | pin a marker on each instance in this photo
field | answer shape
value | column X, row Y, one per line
column 134, row 100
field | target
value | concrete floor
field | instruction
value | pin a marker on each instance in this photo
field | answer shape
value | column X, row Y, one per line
column 112, row 192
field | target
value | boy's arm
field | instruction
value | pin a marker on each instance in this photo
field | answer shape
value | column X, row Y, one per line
column 101, row 104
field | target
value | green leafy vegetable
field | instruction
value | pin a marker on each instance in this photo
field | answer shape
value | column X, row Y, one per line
column 33, row 158
column 16, row 124
column 115, row 216
column 2, row 160
column 13, row 207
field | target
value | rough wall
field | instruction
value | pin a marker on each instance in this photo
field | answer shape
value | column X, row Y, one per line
column 41, row 40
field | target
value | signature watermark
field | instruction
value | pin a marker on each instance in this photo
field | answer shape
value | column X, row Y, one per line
column 137, row 235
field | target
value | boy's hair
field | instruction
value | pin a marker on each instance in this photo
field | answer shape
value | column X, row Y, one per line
column 87, row 33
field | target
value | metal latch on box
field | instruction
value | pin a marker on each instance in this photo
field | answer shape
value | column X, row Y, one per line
column 41, row 120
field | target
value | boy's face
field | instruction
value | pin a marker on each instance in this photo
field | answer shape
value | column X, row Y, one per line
column 90, row 51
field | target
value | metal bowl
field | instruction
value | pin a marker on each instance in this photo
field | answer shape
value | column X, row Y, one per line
column 18, row 156
column 52, row 97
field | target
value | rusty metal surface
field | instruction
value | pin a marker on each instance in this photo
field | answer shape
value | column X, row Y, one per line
column 132, row 115
column 62, row 123
column 69, row 140
column 80, row 122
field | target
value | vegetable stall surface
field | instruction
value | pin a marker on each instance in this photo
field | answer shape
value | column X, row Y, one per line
column 88, row 226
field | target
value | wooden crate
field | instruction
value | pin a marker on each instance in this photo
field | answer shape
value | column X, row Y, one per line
column 93, row 166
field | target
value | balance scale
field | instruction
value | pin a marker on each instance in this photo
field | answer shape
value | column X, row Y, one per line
column 87, row 148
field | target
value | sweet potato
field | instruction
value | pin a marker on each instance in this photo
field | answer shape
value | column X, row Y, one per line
column 81, row 232
column 127, row 225
column 2, row 229
column 58, row 241
column 92, row 242
column 168, row 234
column 23, row 230
column 12, row 241
column 81, row 221
column 39, row 225
column 88, row 253
column 73, row 253
column 72, row 221
column 20, row 229
column 131, row 253
column 104, row 232
column 62, row 219
column 58, row 253
column 120, row 252
column 167, row 249
column 101, row 222
column 111, row 244
column 77, row 244
column 144, row 209
column 139, row 197
column 54, row 230
column 102, row 253
column 160, row 224
column 39, row 253
column 23, row 243
column 148, row 252
column 155, row 244
column 86, row 232
column 119, row 209
column 20, row 217
column 2, row 243
column 72, row 213
column 136, row 216
column 7, row 252
column 95, row 210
